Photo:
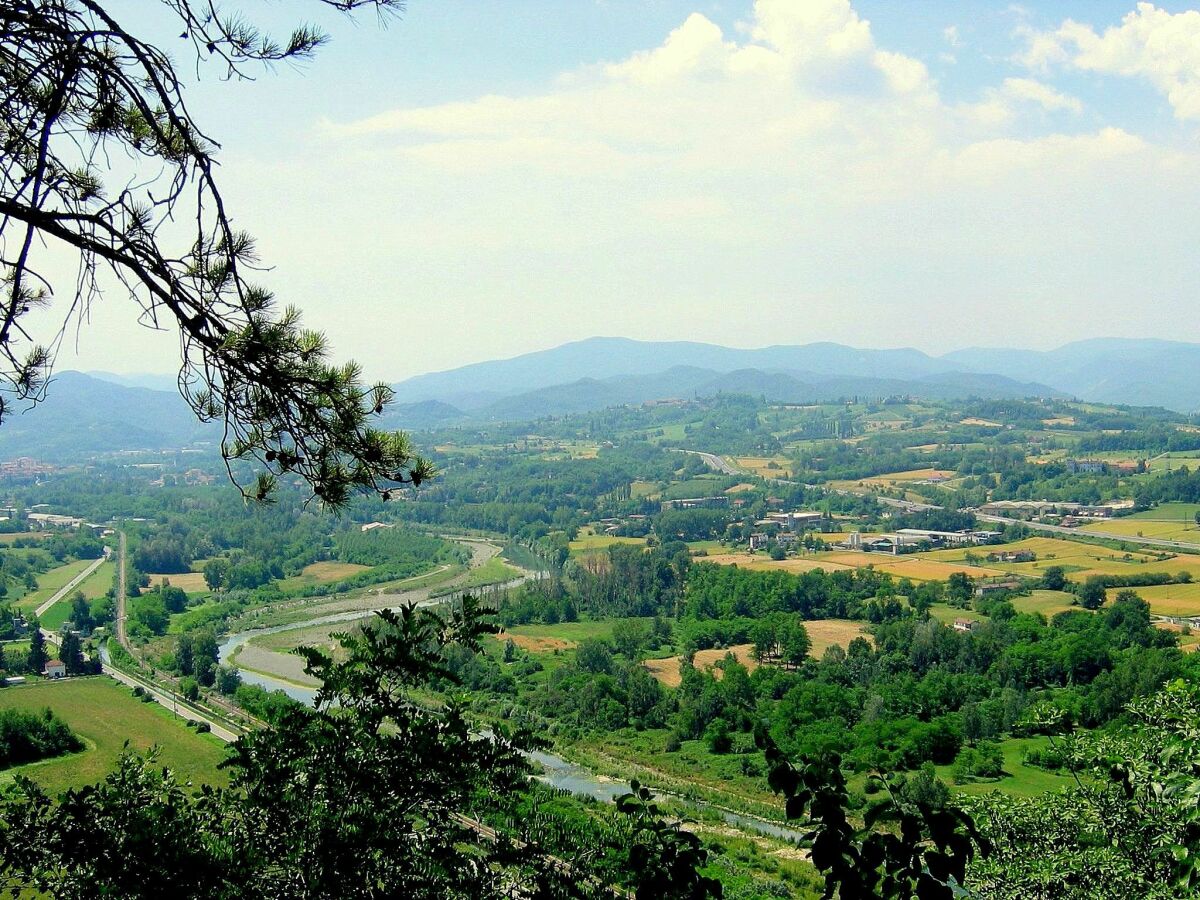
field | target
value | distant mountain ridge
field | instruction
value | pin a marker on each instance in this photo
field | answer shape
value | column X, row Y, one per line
column 83, row 415
column 1112, row 370
column 86, row 414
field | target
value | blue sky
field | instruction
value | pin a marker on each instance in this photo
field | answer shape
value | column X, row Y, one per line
column 483, row 179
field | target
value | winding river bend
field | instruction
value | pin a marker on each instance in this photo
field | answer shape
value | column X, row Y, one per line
column 556, row 771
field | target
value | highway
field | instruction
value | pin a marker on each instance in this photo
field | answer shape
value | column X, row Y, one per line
column 1106, row 535
column 718, row 463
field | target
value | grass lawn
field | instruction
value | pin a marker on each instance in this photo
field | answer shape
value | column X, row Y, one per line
column 95, row 585
column 1048, row 603
column 1019, row 779
column 1166, row 530
column 494, row 571
column 106, row 714
column 50, row 582
column 1168, row 512
column 588, row 540
column 321, row 573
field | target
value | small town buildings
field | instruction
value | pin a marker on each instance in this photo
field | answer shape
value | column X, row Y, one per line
column 55, row 668
column 758, row 540
column 51, row 520
column 997, row 587
column 965, row 624
column 696, row 503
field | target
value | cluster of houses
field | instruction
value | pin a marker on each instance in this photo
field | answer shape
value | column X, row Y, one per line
column 1065, row 511
column 908, row 540
column 718, row 502
column 783, row 528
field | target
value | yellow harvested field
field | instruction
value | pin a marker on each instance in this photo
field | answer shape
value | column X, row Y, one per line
column 1061, row 420
column 738, row 488
column 589, row 540
column 1078, row 559
column 823, row 633
column 765, row 466
column 666, row 671
column 1169, row 599
column 332, row 571
column 763, row 563
column 537, row 644
column 911, row 475
column 914, row 566
column 984, row 423
column 192, row 582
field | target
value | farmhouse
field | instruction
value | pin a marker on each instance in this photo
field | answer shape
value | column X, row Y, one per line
column 695, row 503
column 796, row 520
column 997, row 587
column 55, row 668
column 50, row 520
column 965, row 624
column 371, row 526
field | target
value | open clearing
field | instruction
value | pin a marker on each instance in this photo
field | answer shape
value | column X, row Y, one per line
column 587, row 540
column 1169, row 599
column 51, row 582
column 1048, row 603
column 823, row 633
column 1176, row 530
column 192, row 582
column 1078, row 559
column 106, row 715
column 915, row 567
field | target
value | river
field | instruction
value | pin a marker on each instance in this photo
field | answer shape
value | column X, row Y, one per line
column 556, row 771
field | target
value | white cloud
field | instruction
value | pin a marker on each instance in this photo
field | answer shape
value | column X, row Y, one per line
column 1027, row 89
column 951, row 35
column 1150, row 43
column 788, row 179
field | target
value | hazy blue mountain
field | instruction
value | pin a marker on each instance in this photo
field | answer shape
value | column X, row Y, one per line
column 83, row 415
column 424, row 414
column 149, row 380
column 687, row 382
column 603, row 357
column 1141, row 372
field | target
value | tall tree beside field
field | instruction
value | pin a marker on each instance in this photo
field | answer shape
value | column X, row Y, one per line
column 79, row 87
column 37, row 658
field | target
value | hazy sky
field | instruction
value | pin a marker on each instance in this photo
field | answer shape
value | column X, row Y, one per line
column 480, row 179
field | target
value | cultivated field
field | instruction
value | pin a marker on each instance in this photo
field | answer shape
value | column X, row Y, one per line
column 1170, row 599
column 913, row 566
column 106, row 715
column 765, row 466
column 192, row 582
column 823, row 633
column 587, row 540
column 51, row 582
column 1077, row 559
column 1152, row 528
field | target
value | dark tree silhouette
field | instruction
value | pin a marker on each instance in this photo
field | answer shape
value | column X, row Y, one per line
column 100, row 155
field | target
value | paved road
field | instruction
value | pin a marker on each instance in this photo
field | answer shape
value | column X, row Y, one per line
column 122, row 639
column 72, row 584
column 719, row 463
column 1107, row 535
column 171, row 702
